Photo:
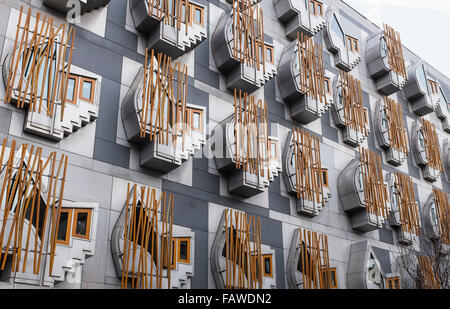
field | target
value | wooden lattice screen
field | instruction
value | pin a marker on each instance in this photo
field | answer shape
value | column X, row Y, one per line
column 174, row 12
column 442, row 204
column 251, row 130
column 432, row 149
column 314, row 260
column 164, row 93
column 242, row 251
column 36, row 46
column 148, row 230
column 375, row 195
column 397, row 133
column 308, row 167
column 248, row 34
column 409, row 210
column 310, row 59
column 354, row 115
column 395, row 51
column 21, row 194
column 427, row 274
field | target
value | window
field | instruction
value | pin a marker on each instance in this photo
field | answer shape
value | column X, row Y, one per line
column 195, row 116
column 65, row 219
column 433, row 86
column 184, row 245
column 82, row 223
column 316, row 7
column 273, row 150
column 384, row 48
column 421, row 140
column 269, row 53
column 352, row 44
column 325, row 177
column 393, row 283
column 327, row 85
column 87, row 88
column 197, row 12
column 336, row 28
column 267, row 265
column 72, row 89
column 333, row 277
column 173, row 250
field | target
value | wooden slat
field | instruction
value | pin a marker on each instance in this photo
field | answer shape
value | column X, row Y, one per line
column 432, row 149
column 409, row 210
column 396, row 130
column 442, row 204
column 395, row 51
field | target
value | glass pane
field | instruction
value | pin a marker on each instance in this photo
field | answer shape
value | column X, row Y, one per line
column 87, row 88
column 183, row 250
column 198, row 15
column 273, row 150
column 269, row 54
column 267, row 266
column 374, row 273
column 81, row 228
column 70, row 89
column 325, row 178
column 196, row 120
column 62, row 228
column 421, row 77
column 312, row 7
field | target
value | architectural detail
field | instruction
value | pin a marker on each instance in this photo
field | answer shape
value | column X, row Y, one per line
column 171, row 28
column 308, row 265
column 303, row 82
column 248, row 156
column 425, row 266
column 303, row 174
column 385, row 61
column 363, row 192
column 239, row 49
column 391, row 132
column 442, row 107
column 436, row 215
column 64, row 6
column 144, row 242
column 417, row 92
column 156, row 115
column 349, row 112
column 49, row 232
column 426, row 149
column 307, row 17
column 446, row 156
column 239, row 260
column 404, row 208
column 54, row 109
column 344, row 46
column 364, row 269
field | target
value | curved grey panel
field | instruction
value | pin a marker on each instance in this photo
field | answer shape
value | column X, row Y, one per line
column 297, row 17
column 387, row 81
column 416, row 90
column 336, row 42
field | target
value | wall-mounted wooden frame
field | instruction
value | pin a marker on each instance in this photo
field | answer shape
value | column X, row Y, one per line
column 194, row 9
column 432, row 147
column 433, row 86
column 90, row 81
column 352, row 44
column 66, row 240
column 393, row 283
column 316, row 7
column 75, row 231
column 395, row 51
column 269, row 53
column 332, row 272
column 195, row 116
column 187, row 258
column 75, row 78
column 325, row 179
column 267, row 258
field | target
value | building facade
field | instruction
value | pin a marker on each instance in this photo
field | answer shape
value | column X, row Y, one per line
column 214, row 144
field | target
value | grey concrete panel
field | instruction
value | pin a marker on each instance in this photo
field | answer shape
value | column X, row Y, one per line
column 121, row 36
column 108, row 111
column 111, row 153
column 5, row 120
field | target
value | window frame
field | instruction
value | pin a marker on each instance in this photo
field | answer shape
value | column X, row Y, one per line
column 277, row 155
column 325, row 173
column 192, row 16
column 179, row 259
column 266, row 47
column 80, row 93
column 264, row 257
column 316, row 5
column 327, row 83
column 393, row 283
column 434, row 87
column 76, row 211
column 354, row 44
column 65, row 242
column 191, row 112
column 75, row 90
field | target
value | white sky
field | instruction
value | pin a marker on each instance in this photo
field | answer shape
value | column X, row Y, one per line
column 424, row 26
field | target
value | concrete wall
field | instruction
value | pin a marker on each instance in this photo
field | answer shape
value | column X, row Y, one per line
column 101, row 161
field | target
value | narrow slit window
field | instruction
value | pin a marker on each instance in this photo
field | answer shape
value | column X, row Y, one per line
column 269, row 53
column 267, row 266
column 184, row 250
column 63, row 235
column 82, row 223
column 327, row 85
column 325, row 177
column 196, row 119
column 274, row 150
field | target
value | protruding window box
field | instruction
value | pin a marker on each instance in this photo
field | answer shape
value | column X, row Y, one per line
column 435, row 215
column 404, row 213
column 308, row 100
column 243, row 61
column 308, row 264
column 259, row 269
column 167, row 151
column 355, row 125
column 307, row 16
column 368, row 212
column 417, row 91
column 385, row 62
column 320, row 192
column 442, row 106
column 391, row 132
column 64, row 6
column 364, row 268
column 167, row 29
column 426, row 149
column 245, row 182
column 344, row 46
